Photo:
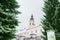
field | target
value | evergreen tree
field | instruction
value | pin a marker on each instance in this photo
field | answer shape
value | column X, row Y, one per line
column 52, row 16
column 57, row 21
column 8, row 21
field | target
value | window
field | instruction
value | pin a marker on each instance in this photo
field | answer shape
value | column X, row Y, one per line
column 35, row 31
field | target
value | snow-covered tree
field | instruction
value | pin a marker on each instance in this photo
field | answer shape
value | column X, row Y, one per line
column 52, row 16
column 8, row 21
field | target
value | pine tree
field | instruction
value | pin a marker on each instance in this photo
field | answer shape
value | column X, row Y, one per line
column 52, row 17
column 8, row 21
column 57, row 21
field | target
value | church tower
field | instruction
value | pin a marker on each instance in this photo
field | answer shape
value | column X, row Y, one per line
column 31, row 21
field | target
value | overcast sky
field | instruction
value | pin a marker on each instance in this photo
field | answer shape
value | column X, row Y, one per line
column 29, row 7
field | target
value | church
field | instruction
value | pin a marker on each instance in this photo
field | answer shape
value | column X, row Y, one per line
column 32, row 33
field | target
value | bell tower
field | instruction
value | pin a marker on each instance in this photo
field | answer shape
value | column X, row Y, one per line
column 31, row 21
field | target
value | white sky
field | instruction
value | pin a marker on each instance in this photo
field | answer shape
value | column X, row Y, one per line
column 28, row 7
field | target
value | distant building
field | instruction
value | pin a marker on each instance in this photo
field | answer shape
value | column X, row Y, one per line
column 32, row 33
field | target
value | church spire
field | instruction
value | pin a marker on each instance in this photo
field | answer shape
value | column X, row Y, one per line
column 32, row 17
column 32, row 20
